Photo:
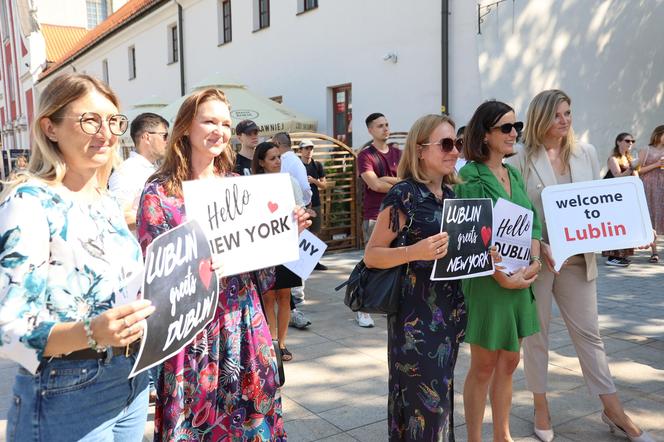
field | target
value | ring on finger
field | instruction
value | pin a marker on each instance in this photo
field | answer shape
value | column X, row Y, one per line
column 437, row 251
column 124, row 321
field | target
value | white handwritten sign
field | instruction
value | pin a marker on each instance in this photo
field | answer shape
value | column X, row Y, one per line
column 183, row 289
column 512, row 231
column 248, row 220
column 592, row 216
column 468, row 224
column 311, row 251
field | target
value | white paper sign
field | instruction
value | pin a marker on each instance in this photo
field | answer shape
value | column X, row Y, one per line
column 247, row 220
column 311, row 251
column 592, row 216
column 131, row 291
column 512, row 232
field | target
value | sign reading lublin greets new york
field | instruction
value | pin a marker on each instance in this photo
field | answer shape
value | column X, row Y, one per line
column 184, row 290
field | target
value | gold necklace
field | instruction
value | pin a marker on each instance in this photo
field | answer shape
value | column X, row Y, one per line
column 500, row 176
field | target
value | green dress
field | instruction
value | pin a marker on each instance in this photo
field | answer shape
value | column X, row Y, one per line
column 497, row 317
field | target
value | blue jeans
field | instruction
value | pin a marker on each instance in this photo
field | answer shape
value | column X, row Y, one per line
column 88, row 400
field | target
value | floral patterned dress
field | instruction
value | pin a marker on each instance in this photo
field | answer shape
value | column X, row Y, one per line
column 424, row 336
column 222, row 386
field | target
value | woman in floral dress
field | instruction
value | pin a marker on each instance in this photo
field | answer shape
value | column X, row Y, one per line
column 222, row 386
column 424, row 335
column 651, row 161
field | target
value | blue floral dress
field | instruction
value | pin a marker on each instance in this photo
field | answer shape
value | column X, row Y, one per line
column 60, row 261
column 424, row 336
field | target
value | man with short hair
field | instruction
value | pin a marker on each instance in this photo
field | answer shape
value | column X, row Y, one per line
column 149, row 132
column 247, row 133
column 377, row 166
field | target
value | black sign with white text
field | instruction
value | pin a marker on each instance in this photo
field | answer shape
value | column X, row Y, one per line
column 468, row 223
column 184, row 290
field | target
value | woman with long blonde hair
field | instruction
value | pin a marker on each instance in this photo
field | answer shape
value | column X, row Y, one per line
column 551, row 155
column 224, row 384
column 66, row 257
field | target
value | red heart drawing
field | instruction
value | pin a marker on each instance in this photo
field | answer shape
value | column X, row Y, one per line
column 272, row 206
column 486, row 235
column 205, row 272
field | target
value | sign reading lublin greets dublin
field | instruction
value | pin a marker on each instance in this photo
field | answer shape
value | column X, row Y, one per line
column 183, row 288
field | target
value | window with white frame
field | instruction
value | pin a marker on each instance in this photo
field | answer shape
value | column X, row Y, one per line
column 261, row 14
column 104, row 70
column 224, row 20
column 132, row 62
column 306, row 5
column 173, row 46
column 97, row 11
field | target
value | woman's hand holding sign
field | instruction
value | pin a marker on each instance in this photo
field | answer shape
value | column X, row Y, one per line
column 428, row 249
column 120, row 326
column 301, row 217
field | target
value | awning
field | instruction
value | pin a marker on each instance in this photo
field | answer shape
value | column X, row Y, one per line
column 270, row 116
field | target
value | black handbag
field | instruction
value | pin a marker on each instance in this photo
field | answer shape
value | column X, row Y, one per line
column 377, row 290
column 275, row 343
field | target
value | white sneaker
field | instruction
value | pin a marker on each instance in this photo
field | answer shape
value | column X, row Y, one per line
column 364, row 320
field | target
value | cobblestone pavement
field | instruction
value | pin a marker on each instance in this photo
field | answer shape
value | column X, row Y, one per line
column 336, row 385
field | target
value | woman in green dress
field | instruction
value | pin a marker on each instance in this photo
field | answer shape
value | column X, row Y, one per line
column 501, row 307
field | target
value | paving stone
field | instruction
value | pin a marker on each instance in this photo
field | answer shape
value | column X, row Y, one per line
column 309, row 428
column 376, row 432
column 367, row 411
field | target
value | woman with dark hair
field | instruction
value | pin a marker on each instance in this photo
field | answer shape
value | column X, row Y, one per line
column 424, row 335
column 620, row 164
column 501, row 307
column 551, row 155
column 66, row 256
column 223, row 385
column 651, row 170
column 267, row 159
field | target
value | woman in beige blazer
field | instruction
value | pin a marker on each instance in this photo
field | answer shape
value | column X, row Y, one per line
column 552, row 156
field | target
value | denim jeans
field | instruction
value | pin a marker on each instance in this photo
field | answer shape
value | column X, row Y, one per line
column 88, row 400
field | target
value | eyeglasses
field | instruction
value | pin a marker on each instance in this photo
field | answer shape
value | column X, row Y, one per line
column 164, row 135
column 507, row 127
column 445, row 144
column 91, row 123
column 459, row 144
column 629, row 141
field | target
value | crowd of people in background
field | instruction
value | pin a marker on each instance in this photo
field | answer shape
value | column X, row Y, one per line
column 71, row 237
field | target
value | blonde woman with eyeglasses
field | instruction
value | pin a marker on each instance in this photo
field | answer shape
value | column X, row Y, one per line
column 66, row 256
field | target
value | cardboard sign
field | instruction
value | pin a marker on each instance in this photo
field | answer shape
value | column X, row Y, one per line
column 311, row 251
column 512, row 234
column 592, row 216
column 183, row 289
column 469, row 224
column 248, row 220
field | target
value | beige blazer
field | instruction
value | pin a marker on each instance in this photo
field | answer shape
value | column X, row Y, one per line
column 538, row 173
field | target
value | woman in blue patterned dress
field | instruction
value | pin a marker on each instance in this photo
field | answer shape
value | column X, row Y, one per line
column 424, row 336
column 66, row 257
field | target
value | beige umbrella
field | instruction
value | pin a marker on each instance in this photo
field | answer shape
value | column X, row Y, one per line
column 270, row 116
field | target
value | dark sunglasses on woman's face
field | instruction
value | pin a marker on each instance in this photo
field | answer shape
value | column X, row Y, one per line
column 445, row 144
column 629, row 141
column 507, row 127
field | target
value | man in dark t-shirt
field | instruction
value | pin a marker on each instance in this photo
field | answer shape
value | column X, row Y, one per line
column 377, row 166
column 247, row 133
column 316, row 178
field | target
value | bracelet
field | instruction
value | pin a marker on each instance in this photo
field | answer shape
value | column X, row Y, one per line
column 536, row 258
column 91, row 340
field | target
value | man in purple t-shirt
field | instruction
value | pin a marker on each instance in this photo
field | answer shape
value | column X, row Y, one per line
column 377, row 166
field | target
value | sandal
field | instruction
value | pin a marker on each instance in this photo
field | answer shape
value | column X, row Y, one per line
column 285, row 354
column 654, row 258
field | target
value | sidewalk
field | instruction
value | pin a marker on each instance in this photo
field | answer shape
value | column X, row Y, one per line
column 336, row 385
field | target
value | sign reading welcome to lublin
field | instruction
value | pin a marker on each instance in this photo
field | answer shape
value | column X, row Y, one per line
column 248, row 220
column 592, row 216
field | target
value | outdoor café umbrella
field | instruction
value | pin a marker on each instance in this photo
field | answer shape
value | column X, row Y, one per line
column 270, row 116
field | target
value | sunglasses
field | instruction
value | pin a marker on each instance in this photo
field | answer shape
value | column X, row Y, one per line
column 507, row 127
column 629, row 141
column 446, row 144
column 164, row 135
column 459, row 144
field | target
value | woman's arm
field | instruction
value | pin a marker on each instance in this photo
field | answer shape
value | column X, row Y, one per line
column 378, row 253
column 650, row 167
column 614, row 167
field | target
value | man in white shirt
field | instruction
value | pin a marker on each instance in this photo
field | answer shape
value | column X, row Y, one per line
column 291, row 164
column 149, row 132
